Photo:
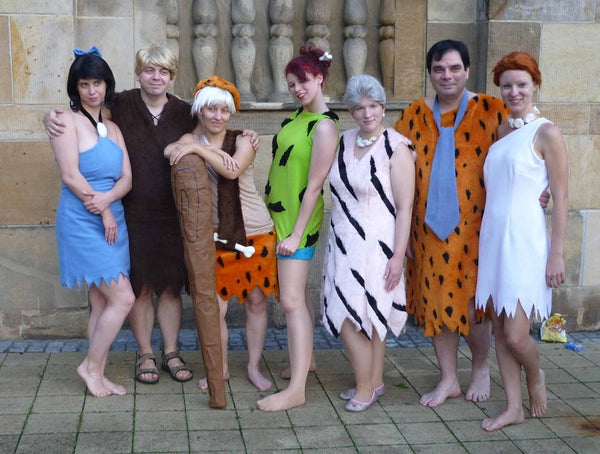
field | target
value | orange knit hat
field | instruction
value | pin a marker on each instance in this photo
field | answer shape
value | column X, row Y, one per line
column 219, row 82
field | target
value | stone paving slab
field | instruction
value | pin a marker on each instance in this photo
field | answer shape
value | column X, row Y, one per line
column 44, row 408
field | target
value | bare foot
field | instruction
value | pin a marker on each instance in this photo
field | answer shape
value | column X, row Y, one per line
column 538, row 399
column 506, row 418
column 283, row 400
column 286, row 373
column 113, row 387
column 93, row 381
column 443, row 391
column 203, row 382
column 479, row 388
column 258, row 380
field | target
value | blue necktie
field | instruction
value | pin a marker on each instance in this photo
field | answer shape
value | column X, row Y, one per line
column 442, row 213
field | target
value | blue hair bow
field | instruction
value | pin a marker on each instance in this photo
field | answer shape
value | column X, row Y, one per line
column 93, row 51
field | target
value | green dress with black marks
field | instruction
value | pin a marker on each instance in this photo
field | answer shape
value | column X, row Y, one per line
column 288, row 176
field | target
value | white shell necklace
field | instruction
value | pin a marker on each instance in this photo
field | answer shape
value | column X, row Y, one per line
column 361, row 142
column 518, row 122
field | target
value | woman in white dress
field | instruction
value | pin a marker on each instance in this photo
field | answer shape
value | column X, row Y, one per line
column 518, row 264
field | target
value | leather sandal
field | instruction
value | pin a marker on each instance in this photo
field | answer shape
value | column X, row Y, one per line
column 166, row 357
column 152, row 370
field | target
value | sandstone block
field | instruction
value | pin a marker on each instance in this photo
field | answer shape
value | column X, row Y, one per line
column 37, row 7
column 591, row 247
column 6, row 94
column 584, row 166
column 580, row 307
column 40, row 65
column 106, row 8
column 29, row 183
column 409, row 59
column 569, row 63
column 506, row 37
column 544, row 11
column 114, row 38
column 452, row 10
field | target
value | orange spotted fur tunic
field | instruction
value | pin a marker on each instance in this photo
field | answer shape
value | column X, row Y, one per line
column 442, row 278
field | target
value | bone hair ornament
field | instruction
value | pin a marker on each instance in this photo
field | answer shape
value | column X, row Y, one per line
column 248, row 251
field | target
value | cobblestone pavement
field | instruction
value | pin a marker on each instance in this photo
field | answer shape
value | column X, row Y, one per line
column 276, row 340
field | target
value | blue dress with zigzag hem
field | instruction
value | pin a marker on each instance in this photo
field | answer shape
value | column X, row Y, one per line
column 83, row 252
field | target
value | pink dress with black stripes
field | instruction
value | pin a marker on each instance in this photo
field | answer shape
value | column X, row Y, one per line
column 361, row 240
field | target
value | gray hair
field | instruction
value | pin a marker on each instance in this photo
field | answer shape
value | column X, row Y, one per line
column 363, row 86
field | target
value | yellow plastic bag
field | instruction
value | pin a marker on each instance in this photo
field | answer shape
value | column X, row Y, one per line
column 553, row 329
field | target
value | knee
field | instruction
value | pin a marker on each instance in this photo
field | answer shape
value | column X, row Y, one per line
column 129, row 301
column 256, row 304
column 515, row 340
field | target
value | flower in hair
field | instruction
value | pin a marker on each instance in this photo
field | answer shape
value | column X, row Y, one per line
column 326, row 57
column 93, row 51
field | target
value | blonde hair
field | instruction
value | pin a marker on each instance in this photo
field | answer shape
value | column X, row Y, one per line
column 156, row 55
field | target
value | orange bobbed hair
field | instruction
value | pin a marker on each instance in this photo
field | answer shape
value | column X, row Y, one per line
column 521, row 61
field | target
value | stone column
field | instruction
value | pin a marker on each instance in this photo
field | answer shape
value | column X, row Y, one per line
column 243, row 50
column 355, row 47
column 387, row 17
column 172, row 11
column 281, row 48
column 318, row 13
column 204, row 49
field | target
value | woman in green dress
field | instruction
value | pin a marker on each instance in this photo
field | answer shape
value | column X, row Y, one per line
column 303, row 152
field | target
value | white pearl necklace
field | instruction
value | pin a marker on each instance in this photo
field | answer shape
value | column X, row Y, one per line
column 361, row 142
column 518, row 122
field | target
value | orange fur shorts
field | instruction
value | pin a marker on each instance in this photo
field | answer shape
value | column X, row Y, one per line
column 238, row 275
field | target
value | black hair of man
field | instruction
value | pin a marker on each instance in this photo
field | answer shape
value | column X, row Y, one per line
column 439, row 49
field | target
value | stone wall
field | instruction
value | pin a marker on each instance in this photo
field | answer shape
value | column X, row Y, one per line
column 36, row 38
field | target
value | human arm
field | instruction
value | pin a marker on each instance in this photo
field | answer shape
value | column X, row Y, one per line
column 66, row 152
column 55, row 126
column 54, row 122
column 402, row 175
column 217, row 158
column 253, row 137
column 325, row 139
column 99, row 201
column 552, row 146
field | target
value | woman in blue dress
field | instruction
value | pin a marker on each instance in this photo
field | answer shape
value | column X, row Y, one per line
column 91, row 234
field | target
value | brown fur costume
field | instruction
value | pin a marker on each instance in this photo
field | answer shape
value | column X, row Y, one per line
column 155, row 245
column 236, row 274
column 441, row 280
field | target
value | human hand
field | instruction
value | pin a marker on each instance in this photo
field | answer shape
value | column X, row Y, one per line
column 288, row 246
column 176, row 151
column 555, row 270
column 228, row 161
column 54, row 127
column 253, row 137
column 544, row 199
column 99, row 201
column 110, row 226
column 393, row 272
